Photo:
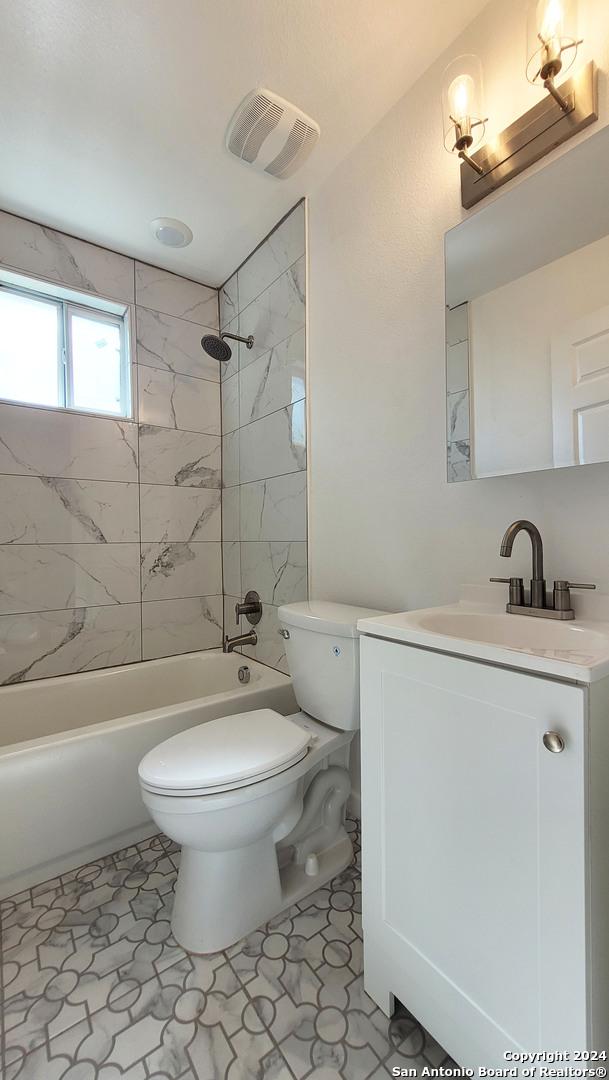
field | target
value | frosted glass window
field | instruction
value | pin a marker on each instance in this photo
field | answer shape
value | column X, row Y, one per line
column 61, row 354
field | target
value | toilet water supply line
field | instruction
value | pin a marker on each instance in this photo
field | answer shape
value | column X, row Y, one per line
column 328, row 791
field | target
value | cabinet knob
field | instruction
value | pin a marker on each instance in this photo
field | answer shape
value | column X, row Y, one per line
column 553, row 742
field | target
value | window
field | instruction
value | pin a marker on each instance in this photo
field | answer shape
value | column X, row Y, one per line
column 62, row 349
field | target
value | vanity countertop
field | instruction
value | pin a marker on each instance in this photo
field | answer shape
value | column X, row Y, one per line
column 479, row 627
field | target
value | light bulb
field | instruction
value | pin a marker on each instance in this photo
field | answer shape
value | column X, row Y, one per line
column 462, row 105
column 550, row 19
column 552, row 39
column 460, row 96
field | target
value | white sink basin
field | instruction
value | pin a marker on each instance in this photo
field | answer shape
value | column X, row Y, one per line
column 577, row 650
column 515, row 631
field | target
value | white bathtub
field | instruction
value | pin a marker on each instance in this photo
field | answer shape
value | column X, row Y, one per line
column 70, row 748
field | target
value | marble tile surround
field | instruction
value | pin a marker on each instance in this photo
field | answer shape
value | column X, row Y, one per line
column 264, row 451
column 84, row 499
column 177, row 626
column 172, row 344
column 177, row 570
column 170, row 294
column 96, row 988
column 52, row 255
column 47, row 577
column 41, row 644
column 48, row 510
column 178, row 401
column 458, row 395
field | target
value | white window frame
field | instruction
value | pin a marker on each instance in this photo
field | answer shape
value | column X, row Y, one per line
column 68, row 302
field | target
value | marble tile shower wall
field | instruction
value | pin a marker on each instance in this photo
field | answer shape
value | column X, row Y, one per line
column 457, row 394
column 264, row 454
column 110, row 531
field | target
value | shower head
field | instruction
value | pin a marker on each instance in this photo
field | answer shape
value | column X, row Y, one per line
column 217, row 348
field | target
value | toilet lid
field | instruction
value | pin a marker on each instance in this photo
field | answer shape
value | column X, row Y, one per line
column 226, row 753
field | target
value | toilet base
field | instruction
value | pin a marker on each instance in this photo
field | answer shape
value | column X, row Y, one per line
column 295, row 884
column 224, row 878
column 233, row 889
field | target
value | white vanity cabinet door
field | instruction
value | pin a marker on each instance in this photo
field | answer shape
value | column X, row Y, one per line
column 474, row 840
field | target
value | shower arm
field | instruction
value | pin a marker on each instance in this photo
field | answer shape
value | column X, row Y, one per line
column 247, row 341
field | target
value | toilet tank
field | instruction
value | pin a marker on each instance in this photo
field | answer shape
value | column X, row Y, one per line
column 322, row 647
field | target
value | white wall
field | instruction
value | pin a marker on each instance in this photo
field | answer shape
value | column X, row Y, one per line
column 385, row 527
column 510, row 341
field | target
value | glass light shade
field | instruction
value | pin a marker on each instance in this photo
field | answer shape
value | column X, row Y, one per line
column 462, row 104
column 171, row 232
column 551, row 38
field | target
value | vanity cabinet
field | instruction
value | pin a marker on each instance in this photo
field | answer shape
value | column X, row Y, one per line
column 485, row 855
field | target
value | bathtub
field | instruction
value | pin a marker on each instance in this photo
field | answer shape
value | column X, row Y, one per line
column 70, row 747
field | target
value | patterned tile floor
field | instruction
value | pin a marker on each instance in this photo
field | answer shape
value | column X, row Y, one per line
column 95, row 987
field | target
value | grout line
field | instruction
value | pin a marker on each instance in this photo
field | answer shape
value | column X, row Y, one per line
column 77, row 607
column 139, row 512
column 101, row 544
column 182, row 318
column 177, row 374
column 273, row 412
column 223, row 602
column 191, row 596
column 275, row 345
column 117, row 607
column 71, row 479
column 184, row 431
column 134, row 483
column 262, row 479
column 172, row 273
column 187, row 431
column 307, row 407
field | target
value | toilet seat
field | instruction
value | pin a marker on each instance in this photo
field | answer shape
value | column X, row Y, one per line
column 224, row 754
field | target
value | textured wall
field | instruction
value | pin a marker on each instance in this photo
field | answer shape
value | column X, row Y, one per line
column 264, row 455
column 109, row 531
column 386, row 528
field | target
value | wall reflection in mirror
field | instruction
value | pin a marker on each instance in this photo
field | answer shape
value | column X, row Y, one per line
column 527, row 294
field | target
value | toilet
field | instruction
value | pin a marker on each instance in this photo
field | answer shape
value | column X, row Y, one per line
column 257, row 799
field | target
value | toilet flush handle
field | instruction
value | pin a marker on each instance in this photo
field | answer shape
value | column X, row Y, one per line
column 284, row 633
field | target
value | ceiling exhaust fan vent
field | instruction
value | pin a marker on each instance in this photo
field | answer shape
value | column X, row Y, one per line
column 271, row 134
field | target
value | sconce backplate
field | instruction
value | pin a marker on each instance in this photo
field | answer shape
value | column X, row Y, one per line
column 532, row 136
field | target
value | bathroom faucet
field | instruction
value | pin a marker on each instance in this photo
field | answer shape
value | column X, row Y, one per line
column 538, row 585
column 537, row 604
column 230, row 644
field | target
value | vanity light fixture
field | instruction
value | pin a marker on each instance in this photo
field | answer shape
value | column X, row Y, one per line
column 566, row 109
column 463, row 109
column 552, row 44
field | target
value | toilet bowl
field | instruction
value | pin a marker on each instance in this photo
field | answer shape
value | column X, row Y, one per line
column 257, row 800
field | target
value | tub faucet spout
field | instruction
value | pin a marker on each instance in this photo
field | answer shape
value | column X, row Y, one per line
column 230, row 644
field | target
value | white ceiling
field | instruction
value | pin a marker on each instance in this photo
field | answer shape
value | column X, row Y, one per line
column 114, row 111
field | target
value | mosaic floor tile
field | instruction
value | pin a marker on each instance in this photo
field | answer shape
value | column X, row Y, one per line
column 96, row 988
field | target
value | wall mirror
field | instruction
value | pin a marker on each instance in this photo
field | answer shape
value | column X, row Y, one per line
column 527, row 323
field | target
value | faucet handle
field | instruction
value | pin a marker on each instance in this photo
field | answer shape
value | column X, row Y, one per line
column 562, row 593
column 516, row 585
column 250, row 606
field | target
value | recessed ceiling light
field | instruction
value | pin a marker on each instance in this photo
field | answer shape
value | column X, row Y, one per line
column 171, row 232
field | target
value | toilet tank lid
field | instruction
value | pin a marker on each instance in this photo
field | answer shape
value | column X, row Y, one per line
column 324, row 617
